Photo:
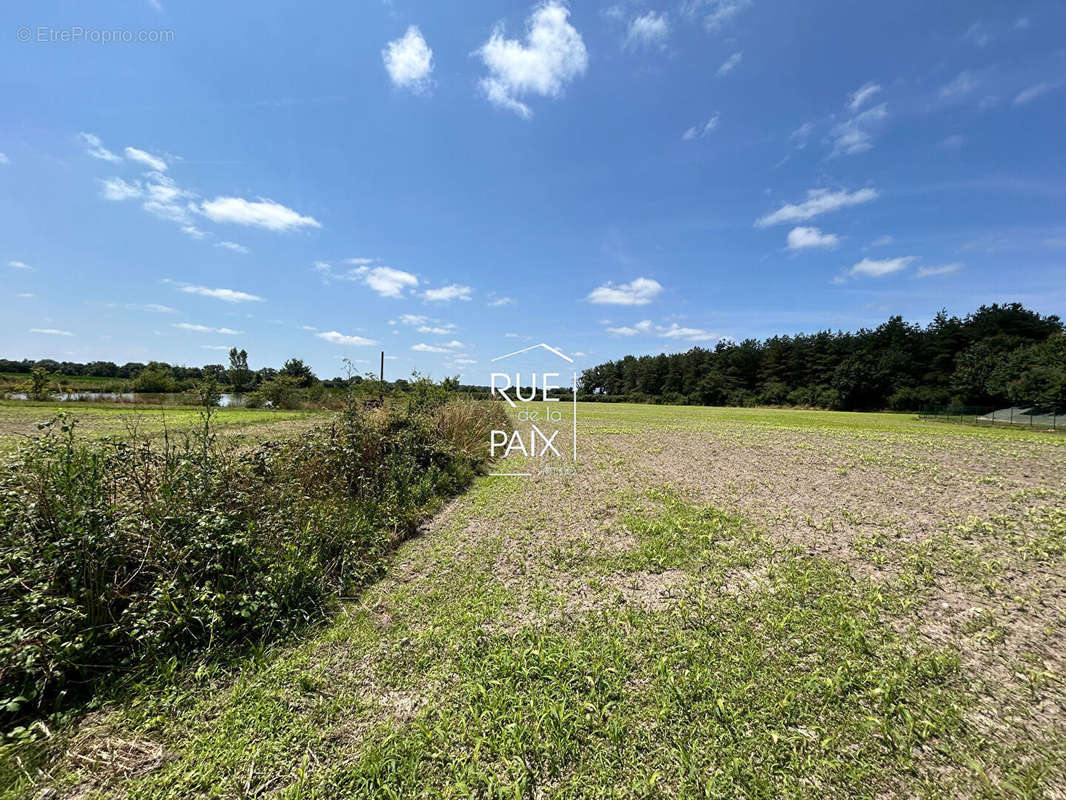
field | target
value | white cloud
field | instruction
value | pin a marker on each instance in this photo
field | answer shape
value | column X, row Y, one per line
column 638, row 292
column 386, row 281
column 153, row 162
column 699, row 131
column 497, row 302
column 687, row 334
column 977, row 34
column 963, row 84
column 220, row 347
column 425, row 324
column 51, row 331
column 881, row 241
column 953, row 142
column 189, row 326
column 156, row 307
column 552, row 55
column 673, row 331
column 945, row 269
column 4, row 159
column 800, row 136
column 236, row 248
column 228, row 295
column 819, row 201
column 1030, row 94
column 163, row 198
column 26, row 295
column 445, row 294
column 804, row 238
column 117, row 189
column 262, row 213
column 95, row 148
column 853, row 135
column 340, row 338
column 859, row 97
column 729, row 64
column 718, row 14
column 632, row 330
column 649, row 29
column 444, row 347
column 879, row 268
column 497, row 94
column 1022, row 23
column 409, row 61
column 19, row 265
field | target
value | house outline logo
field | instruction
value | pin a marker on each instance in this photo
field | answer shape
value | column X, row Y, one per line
column 523, row 416
column 547, row 347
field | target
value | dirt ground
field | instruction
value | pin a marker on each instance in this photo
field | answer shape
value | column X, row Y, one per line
column 971, row 522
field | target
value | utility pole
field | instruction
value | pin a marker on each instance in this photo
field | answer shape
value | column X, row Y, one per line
column 382, row 377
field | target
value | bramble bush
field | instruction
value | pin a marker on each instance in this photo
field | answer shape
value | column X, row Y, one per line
column 118, row 554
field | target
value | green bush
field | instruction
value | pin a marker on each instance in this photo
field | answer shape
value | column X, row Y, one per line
column 154, row 379
column 118, row 554
column 281, row 392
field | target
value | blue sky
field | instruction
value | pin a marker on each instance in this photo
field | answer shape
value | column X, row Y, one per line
column 448, row 183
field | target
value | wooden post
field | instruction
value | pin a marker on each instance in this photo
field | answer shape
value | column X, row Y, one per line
column 381, row 376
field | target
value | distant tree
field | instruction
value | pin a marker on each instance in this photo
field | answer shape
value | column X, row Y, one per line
column 295, row 368
column 1033, row 375
column 209, row 392
column 216, row 371
column 973, row 369
column 154, row 378
column 40, row 384
column 282, row 391
column 240, row 377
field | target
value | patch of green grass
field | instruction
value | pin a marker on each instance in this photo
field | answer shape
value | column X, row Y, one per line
column 788, row 685
column 791, row 686
column 623, row 417
column 19, row 418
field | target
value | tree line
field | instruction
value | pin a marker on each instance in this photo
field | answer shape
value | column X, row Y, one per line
column 998, row 355
column 293, row 385
column 159, row 376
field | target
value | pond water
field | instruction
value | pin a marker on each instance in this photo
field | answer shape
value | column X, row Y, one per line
column 225, row 400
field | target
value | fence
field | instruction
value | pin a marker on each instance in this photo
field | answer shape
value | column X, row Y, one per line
column 1035, row 417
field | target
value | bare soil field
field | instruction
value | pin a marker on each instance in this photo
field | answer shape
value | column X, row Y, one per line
column 719, row 603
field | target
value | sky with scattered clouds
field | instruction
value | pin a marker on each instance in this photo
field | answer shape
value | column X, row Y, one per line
column 451, row 183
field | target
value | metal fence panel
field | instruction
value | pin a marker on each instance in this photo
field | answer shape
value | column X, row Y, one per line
column 1035, row 417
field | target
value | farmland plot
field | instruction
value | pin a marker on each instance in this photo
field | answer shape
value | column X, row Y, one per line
column 719, row 603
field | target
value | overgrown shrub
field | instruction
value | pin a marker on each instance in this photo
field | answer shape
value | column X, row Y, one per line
column 115, row 554
column 281, row 392
column 154, row 379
